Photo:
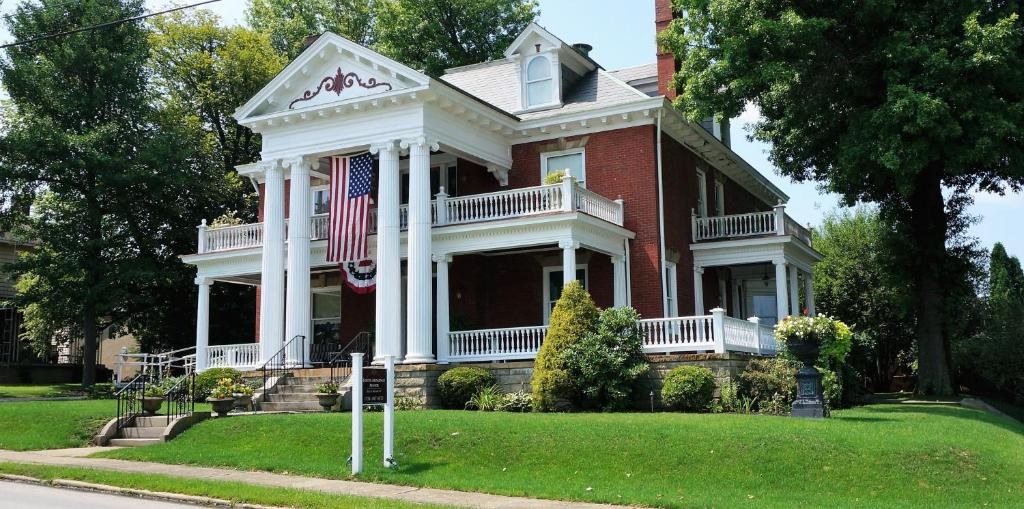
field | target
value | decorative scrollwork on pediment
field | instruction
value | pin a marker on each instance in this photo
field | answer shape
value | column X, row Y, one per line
column 338, row 83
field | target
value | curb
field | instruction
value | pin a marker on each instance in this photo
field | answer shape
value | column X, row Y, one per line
column 131, row 492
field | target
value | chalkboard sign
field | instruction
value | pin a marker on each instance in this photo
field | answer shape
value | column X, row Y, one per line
column 375, row 386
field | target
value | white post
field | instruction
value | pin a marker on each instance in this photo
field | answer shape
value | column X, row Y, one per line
column 272, row 272
column 120, row 364
column 794, row 291
column 619, row 281
column 757, row 332
column 698, row 290
column 443, row 316
column 568, row 259
column 568, row 194
column 357, row 413
column 389, row 412
column 441, row 206
column 297, row 309
column 780, row 219
column 203, row 323
column 387, row 335
column 781, row 298
column 620, row 211
column 718, row 326
column 419, row 295
column 202, row 237
column 809, row 292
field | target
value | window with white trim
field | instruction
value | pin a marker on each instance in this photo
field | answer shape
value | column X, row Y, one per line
column 671, row 290
column 320, row 200
column 702, row 194
column 719, row 198
column 539, row 82
column 553, row 282
column 572, row 162
column 325, row 314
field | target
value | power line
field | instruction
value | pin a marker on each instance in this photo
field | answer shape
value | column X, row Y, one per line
column 105, row 25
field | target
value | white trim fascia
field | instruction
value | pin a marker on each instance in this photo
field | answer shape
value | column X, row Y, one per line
column 649, row 104
column 339, row 108
column 591, row 128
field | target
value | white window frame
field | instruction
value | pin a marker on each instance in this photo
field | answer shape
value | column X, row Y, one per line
column 325, row 290
column 312, row 197
column 719, row 198
column 555, row 78
column 544, row 156
column 672, row 289
column 547, row 286
column 702, row 193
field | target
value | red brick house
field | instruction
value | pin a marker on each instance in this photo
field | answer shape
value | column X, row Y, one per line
column 471, row 246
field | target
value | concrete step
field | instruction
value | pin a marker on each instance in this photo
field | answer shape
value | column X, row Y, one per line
column 133, row 442
column 283, row 389
column 134, row 432
column 305, row 380
column 291, row 406
column 292, row 396
column 151, row 421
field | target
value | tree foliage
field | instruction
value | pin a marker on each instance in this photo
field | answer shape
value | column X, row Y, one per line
column 573, row 317
column 887, row 101
column 288, row 23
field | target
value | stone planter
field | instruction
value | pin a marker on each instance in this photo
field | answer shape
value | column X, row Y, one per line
column 327, row 401
column 221, row 405
column 243, row 402
column 151, row 404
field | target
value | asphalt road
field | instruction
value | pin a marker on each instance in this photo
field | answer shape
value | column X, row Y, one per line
column 15, row 495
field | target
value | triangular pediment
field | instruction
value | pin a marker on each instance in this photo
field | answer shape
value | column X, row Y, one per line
column 332, row 69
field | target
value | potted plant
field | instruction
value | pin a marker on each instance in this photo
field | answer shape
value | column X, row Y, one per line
column 221, row 398
column 802, row 336
column 327, row 394
column 152, row 399
column 242, row 392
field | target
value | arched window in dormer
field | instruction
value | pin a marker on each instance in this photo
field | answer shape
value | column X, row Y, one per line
column 539, row 82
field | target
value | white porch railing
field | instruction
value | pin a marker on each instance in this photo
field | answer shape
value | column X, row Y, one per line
column 243, row 356
column 710, row 333
column 511, row 203
column 772, row 222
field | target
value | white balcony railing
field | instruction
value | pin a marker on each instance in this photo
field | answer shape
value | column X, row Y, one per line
column 496, row 344
column 772, row 222
column 512, row 203
column 243, row 356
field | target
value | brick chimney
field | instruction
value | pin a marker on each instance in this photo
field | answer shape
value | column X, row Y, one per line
column 666, row 60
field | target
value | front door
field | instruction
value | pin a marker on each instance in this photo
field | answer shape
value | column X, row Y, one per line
column 765, row 307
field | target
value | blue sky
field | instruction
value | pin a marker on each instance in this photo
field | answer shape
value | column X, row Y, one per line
column 622, row 33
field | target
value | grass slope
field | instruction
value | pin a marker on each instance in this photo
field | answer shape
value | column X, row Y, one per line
column 26, row 425
column 40, row 391
column 883, row 455
column 234, row 491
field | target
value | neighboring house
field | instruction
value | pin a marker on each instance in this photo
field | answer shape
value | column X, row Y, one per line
column 11, row 349
column 472, row 249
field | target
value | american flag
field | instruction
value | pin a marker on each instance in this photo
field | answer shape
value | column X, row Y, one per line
column 351, row 181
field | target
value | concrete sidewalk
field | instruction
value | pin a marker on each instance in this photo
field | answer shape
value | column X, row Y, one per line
column 74, row 458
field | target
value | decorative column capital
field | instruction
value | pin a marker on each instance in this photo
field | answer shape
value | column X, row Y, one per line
column 384, row 146
column 203, row 281
column 779, row 261
column 420, row 141
column 617, row 259
column 568, row 244
column 268, row 165
column 441, row 257
column 302, row 163
column 697, row 269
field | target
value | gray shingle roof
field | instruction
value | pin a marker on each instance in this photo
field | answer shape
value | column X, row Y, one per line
column 645, row 71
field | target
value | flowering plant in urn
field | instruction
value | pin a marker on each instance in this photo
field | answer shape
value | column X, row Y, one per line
column 803, row 335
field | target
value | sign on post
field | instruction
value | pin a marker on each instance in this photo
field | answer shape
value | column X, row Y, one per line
column 357, row 413
column 375, row 386
column 372, row 386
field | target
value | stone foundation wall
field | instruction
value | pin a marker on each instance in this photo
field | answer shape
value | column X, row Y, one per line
column 418, row 382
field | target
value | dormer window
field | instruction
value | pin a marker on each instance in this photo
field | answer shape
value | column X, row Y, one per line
column 539, row 82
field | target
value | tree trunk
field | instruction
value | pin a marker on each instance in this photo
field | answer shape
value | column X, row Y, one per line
column 88, row 347
column 928, row 233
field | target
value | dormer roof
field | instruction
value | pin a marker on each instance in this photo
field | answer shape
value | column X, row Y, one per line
column 535, row 34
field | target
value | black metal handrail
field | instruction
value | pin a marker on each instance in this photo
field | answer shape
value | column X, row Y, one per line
column 129, row 400
column 277, row 365
column 180, row 398
column 341, row 361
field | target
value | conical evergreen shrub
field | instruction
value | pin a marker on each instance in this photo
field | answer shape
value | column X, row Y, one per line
column 574, row 316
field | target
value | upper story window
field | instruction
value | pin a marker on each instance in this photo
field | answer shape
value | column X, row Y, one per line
column 702, row 194
column 572, row 162
column 539, row 82
column 719, row 198
column 321, row 200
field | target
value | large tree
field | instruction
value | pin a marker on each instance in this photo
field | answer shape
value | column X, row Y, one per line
column 288, row 22
column 886, row 101
column 107, row 186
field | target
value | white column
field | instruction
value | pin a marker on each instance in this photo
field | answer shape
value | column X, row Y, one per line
column 568, row 260
column 419, row 294
column 809, row 292
column 297, row 311
column 619, row 281
column 698, row 290
column 781, row 295
column 272, row 273
column 794, row 291
column 443, row 314
column 388, row 332
column 780, row 219
column 203, row 323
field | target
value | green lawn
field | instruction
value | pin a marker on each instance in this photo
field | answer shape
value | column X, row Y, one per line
column 40, row 391
column 225, row 490
column 897, row 455
column 28, row 425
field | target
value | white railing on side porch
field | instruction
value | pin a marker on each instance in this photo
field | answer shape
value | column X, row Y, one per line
column 771, row 222
column 243, row 356
column 229, row 237
column 709, row 333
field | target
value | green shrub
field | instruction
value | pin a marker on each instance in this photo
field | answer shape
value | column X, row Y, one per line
column 488, row 399
column 207, row 380
column 605, row 366
column 574, row 316
column 554, row 177
column 457, row 385
column 728, row 399
column 519, row 401
column 769, row 381
column 689, row 388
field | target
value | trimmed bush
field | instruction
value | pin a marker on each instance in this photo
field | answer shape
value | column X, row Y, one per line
column 605, row 366
column 458, row 385
column 688, row 388
column 574, row 316
column 207, row 380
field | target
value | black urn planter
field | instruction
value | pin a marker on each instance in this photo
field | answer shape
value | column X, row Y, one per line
column 221, row 405
column 327, row 400
column 151, row 404
column 810, row 401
